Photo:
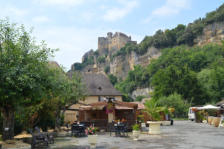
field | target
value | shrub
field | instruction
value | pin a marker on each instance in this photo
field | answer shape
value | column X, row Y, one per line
column 175, row 101
column 136, row 127
column 107, row 69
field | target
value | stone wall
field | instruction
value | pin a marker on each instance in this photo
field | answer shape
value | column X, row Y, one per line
column 113, row 42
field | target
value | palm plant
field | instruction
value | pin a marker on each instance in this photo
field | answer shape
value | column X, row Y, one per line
column 152, row 108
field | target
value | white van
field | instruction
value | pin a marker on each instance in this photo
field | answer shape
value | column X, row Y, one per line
column 191, row 114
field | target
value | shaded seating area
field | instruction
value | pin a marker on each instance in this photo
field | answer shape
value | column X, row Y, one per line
column 97, row 114
column 121, row 129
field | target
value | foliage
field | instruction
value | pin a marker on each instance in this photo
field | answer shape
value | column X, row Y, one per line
column 23, row 72
column 212, row 82
column 139, row 98
column 101, row 59
column 136, row 127
column 136, row 78
column 107, row 69
column 180, row 80
column 113, row 79
column 215, row 16
column 174, row 101
column 173, row 37
column 31, row 87
column 91, row 130
column 86, row 61
column 152, row 108
column 199, row 116
column 140, row 118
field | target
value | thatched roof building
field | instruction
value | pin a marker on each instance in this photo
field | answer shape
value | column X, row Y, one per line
column 97, row 84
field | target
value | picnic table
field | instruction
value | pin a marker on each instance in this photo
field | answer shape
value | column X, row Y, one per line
column 78, row 130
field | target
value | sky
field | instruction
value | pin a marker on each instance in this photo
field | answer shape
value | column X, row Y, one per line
column 74, row 26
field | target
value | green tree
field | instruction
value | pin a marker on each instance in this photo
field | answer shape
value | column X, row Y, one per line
column 22, row 72
column 180, row 80
column 174, row 101
column 113, row 79
column 212, row 81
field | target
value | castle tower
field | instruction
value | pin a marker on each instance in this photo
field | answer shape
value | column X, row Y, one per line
column 113, row 42
column 109, row 35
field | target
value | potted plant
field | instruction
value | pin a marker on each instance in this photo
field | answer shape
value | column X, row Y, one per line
column 154, row 112
column 136, row 131
column 92, row 137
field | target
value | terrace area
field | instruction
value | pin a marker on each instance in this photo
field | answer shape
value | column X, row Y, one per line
column 183, row 135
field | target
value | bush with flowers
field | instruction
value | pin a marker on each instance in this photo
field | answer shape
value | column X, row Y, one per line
column 91, row 130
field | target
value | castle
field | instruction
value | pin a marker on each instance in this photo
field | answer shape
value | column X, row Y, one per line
column 112, row 43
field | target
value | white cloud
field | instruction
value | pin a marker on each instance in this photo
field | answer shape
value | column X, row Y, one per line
column 40, row 19
column 114, row 14
column 88, row 16
column 171, row 7
column 11, row 11
column 73, row 42
column 60, row 2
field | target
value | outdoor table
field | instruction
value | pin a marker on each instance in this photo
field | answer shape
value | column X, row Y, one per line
column 78, row 130
column 119, row 128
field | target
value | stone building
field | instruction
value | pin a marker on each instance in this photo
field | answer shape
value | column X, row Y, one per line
column 98, row 88
column 112, row 43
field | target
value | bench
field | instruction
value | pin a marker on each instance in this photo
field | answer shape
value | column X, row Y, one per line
column 41, row 139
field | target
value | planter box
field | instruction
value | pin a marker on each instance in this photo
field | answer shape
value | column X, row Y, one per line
column 135, row 134
column 92, row 140
column 210, row 118
column 154, row 127
column 216, row 121
column 166, row 123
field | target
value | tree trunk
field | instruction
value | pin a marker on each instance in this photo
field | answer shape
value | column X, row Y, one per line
column 58, row 120
column 8, row 123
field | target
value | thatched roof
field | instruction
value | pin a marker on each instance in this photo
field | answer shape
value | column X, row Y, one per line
column 98, row 84
column 54, row 64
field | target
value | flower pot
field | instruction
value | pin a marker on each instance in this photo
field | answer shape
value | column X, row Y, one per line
column 136, row 134
column 210, row 120
column 216, row 121
column 166, row 123
column 92, row 140
column 154, row 127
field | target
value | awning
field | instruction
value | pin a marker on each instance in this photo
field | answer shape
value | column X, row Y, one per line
column 101, row 105
column 208, row 107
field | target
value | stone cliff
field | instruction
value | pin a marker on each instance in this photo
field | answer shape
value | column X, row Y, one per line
column 101, row 60
column 213, row 33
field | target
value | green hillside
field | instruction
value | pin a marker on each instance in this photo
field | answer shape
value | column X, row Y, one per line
column 191, row 71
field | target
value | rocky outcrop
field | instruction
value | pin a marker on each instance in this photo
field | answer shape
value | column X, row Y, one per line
column 141, row 92
column 121, row 65
column 213, row 33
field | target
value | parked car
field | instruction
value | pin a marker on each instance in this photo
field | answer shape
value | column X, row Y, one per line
column 191, row 114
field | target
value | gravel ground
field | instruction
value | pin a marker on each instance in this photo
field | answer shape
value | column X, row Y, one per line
column 182, row 135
